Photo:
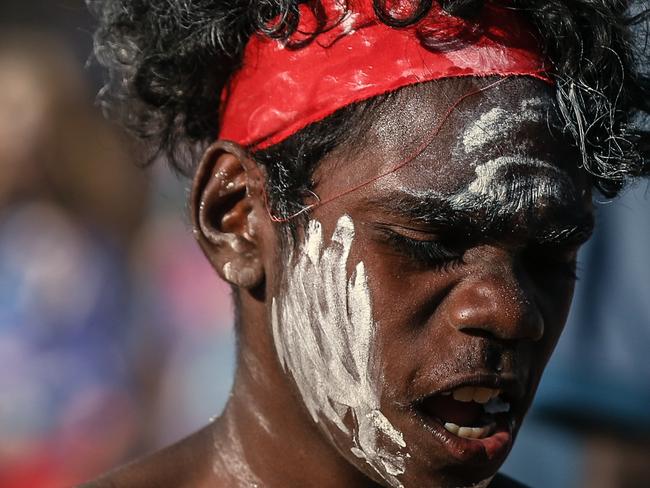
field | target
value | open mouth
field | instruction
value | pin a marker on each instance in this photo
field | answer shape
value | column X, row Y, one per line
column 473, row 422
column 468, row 412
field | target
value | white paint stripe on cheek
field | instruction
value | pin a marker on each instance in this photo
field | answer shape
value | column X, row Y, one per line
column 324, row 335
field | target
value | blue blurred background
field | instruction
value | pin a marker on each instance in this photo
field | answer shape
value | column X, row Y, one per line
column 116, row 336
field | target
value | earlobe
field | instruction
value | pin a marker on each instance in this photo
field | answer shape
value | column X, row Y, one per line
column 224, row 203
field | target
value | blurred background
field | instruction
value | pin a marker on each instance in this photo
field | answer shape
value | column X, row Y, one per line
column 116, row 336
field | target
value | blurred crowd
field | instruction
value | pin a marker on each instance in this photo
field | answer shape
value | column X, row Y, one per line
column 116, row 337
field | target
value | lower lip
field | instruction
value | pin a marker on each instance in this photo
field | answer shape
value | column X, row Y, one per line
column 487, row 452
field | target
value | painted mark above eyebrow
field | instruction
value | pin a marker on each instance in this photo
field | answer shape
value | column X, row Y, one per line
column 558, row 222
column 516, row 182
column 498, row 122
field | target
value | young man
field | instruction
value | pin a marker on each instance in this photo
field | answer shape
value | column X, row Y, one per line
column 397, row 194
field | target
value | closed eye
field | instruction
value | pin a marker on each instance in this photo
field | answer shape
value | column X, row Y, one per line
column 428, row 253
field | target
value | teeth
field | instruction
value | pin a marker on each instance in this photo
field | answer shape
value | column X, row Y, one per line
column 453, row 428
column 465, row 394
column 473, row 432
column 476, row 394
column 488, row 398
column 469, row 432
column 483, row 395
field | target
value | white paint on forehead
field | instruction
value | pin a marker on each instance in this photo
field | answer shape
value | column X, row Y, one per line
column 505, row 186
column 514, row 193
column 325, row 337
column 489, row 183
column 499, row 122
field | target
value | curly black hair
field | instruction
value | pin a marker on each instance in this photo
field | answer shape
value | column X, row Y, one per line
column 168, row 62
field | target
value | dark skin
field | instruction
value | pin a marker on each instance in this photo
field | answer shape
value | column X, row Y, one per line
column 488, row 313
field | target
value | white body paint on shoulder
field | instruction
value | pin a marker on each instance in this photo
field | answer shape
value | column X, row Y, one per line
column 325, row 337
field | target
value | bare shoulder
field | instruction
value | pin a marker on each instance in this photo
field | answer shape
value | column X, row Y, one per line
column 184, row 464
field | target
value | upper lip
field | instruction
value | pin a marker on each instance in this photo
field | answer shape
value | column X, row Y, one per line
column 512, row 388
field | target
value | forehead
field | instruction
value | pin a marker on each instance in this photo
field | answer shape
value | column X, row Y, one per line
column 498, row 150
column 512, row 117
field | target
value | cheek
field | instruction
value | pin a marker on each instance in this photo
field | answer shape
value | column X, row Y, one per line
column 409, row 305
column 405, row 302
column 402, row 291
column 324, row 333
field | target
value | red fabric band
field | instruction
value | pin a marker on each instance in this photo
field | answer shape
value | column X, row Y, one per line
column 283, row 86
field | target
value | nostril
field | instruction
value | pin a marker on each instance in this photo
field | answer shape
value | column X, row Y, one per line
column 477, row 332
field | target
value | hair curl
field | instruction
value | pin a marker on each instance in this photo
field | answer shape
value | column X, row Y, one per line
column 168, row 62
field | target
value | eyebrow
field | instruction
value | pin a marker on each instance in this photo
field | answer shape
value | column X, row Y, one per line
column 560, row 224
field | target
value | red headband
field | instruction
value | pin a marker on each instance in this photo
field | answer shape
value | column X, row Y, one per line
column 283, row 86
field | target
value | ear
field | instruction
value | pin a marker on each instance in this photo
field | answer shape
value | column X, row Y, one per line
column 226, row 196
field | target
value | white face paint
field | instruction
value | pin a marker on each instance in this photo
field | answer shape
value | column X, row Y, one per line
column 514, row 180
column 498, row 122
column 502, row 183
column 325, row 337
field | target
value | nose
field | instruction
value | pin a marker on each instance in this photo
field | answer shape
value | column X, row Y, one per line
column 497, row 302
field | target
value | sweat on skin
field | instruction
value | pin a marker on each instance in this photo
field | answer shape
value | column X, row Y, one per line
column 325, row 336
column 322, row 323
column 350, row 355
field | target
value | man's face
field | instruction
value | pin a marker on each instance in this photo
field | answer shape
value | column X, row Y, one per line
column 416, row 314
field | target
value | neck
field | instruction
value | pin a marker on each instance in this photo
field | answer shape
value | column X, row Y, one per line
column 266, row 437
